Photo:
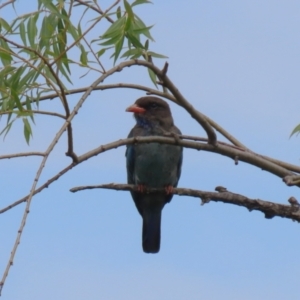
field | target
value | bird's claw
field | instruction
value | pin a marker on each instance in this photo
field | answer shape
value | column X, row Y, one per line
column 169, row 189
column 141, row 188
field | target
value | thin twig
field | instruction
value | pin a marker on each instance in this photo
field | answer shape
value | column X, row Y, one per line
column 41, row 112
column 198, row 116
column 225, row 133
column 39, row 189
column 7, row 156
column 94, row 54
column 7, row 3
column 149, row 91
column 98, row 10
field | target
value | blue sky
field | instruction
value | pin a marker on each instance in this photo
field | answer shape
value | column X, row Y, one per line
column 238, row 63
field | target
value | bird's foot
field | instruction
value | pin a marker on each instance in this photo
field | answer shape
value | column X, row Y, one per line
column 141, row 188
column 169, row 189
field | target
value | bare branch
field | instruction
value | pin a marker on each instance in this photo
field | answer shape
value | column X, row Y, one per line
column 7, row 156
column 292, row 180
column 7, row 3
column 94, row 54
column 223, row 149
column 270, row 209
column 225, row 133
column 41, row 112
column 150, row 91
column 38, row 190
column 97, row 9
column 199, row 117
column 109, row 86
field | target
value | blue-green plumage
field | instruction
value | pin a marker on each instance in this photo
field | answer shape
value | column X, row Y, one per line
column 152, row 165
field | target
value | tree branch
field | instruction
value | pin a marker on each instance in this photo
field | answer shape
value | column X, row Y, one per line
column 41, row 112
column 96, row 9
column 22, row 155
column 223, row 149
column 269, row 209
column 198, row 116
column 7, row 3
column 225, row 133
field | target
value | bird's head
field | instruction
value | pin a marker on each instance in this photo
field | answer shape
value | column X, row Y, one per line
column 152, row 111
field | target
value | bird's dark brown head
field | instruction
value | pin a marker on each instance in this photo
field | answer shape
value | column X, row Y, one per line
column 152, row 110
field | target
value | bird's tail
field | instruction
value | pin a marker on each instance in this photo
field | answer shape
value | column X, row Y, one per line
column 151, row 231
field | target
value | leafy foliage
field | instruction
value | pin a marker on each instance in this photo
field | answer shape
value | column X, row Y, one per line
column 35, row 51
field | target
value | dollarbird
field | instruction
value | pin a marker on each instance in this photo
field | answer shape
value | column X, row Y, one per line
column 152, row 165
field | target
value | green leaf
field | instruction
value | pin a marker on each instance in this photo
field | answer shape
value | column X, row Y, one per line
column 5, row 71
column 140, row 24
column 73, row 31
column 114, row 28
column 101, row 52
column 49, row 25
column 79, row 29
column 48, row 4
column 296, row 130
column 146, row 45
column 119, row 46
column 7, row 128
column 23, row 33
column 31, row 31
column 52, row 21
column 83, row 56
column 134, row 40
column 145, row 31
column 27, row 130
column 138, row 2
column 119, row 12
column 128, row 23
column 133, row 53
column 157, row 55
column 152, row 76
column 5, row 57
column 112, row 41
column 16, row 100
column 28, row 78
column 5, row 25
column 28, row 107
column 128, row 9
column 62, row 37
column 49, row 76
column 5, row 51
column 62, row 68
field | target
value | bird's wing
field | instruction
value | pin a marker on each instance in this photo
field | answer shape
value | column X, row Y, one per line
column 130, row 158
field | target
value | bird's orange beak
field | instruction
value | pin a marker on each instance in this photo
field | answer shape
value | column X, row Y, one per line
column 135, row 109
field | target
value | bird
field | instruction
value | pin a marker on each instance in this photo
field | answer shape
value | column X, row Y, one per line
column 152, row 165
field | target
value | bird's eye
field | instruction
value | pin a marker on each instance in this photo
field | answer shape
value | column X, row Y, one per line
column 153, row 105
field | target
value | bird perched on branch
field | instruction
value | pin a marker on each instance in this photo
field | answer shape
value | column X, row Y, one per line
column 152, row 165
